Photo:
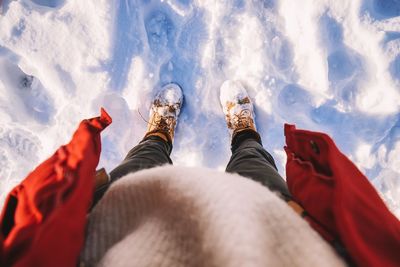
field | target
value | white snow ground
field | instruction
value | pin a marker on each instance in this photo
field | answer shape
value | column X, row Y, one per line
column 326, row 65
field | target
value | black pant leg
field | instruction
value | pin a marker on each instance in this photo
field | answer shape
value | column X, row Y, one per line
column 251, row 160
column 151, row 152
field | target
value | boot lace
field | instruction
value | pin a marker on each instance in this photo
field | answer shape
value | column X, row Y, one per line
column 240, row 120
column 163, row 123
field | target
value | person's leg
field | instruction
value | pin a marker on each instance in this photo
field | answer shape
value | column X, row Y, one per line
column 151, row 152
column 155, row 148
column 251, row 160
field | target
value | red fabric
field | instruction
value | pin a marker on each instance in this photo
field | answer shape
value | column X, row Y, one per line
column 43, row 220
column 340, row 199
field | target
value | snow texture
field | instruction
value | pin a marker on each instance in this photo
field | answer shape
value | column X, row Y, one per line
column 324, row 65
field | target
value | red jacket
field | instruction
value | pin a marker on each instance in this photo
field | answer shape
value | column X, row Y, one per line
column 340, row 200
column 44, row 217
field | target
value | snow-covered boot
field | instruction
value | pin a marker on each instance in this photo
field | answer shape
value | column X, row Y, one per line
column 164, row 112
column 237, row 106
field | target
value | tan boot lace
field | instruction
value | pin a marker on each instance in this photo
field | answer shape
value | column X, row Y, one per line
column 241, row 121
column 162, row 124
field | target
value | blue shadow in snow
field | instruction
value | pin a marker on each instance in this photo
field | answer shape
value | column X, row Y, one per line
column 185, row 2
column 341, row 65
column 283, row 56
column 37, row 102
column 49, row 3
column 381, row 9
column 183, row 67
column 161, row 33
column 239, row 4
column 19, row 28
column 269, row 4
column 293, row 95
column 127, row 43
column 394, row 68
column 346, row 128
column 390, row 36
column 343, row 62
column 29, row 90
column 294, row 103
column 392, row 135
column 351, row 126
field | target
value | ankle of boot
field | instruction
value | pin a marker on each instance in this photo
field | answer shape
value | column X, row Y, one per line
column 239, row 136
column 165, row 136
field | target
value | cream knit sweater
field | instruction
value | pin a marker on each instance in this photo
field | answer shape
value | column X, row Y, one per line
column 176, row 216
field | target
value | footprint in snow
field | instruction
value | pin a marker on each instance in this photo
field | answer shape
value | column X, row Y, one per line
column 21, row 142
column 381, row 9
column 160, row 32
column 18, row 151
column 26, row 92
column 49, row 3
column 343, row 62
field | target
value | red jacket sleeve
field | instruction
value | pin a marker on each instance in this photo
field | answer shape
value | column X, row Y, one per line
column 44, row 217
column 340, row 199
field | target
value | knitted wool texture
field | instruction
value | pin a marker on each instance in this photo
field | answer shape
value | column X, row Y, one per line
column 177, row 216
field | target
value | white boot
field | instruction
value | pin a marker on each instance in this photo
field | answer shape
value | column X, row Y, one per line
column 164, row 112
column 237, row 106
